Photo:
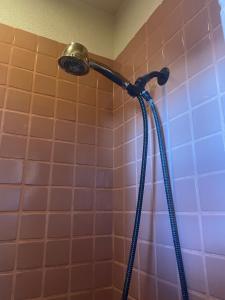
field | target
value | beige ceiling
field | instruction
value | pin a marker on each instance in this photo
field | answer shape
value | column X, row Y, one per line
column 110, row 6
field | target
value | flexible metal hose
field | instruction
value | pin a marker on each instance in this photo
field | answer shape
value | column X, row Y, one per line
column 133, row 246
column 169, row 195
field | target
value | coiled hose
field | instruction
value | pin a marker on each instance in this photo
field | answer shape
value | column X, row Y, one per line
column 133, row 246
column 169, row 196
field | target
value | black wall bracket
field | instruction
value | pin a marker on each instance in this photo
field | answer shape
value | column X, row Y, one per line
column 135, row 89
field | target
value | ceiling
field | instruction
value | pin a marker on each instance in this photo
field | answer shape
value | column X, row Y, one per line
column 110, row 6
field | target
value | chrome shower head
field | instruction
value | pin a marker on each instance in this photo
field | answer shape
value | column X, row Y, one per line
column 74, row 59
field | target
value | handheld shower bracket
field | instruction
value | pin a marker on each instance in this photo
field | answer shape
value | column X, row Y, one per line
column 139, row 86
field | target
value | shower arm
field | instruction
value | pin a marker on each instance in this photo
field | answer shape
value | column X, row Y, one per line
column 133, row 89
column 109, row 73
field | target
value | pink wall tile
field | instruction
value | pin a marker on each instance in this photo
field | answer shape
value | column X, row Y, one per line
column 185, row 187
column 147, row 258
column 60, row 199
column 219, row 43
column 5, row 53
column 206, row 119
column 47, row 46
column 24, row 39
column 23, row 59
column 9, row 198
column 62, row 175
column 103, row 248
column 36, row 173
column 66, row 90
column 104, row 294
column 4, row 72
column 183, row 164
column 174, row 48
column 6, row 33
column 64, row 131
column 196, row 28
column 56, row 281
column 212, row 187
column 83, row 199
column 82, row 250
column 213, row 240
column 82, row 296
column 32, row 226
column 83, row 224
column 20, row 78
column 59, row 226
column 57, row 253
column 13, row 146
column 82, row 278
column 180, row 130
column 30, row 255
column 44, row 85
column 215, row 267
column 147, row 286
column 11, row 171
column 7, row 260
column 199, row 90
column 210, row 150
column 166, row 264
column 2, row 95
column 166, row 290
column 104, row 199
column 103, row 223
column 43, row 105
column 102, row 274
column 46, row 65
column 18, row 100
column 39, row 150
column 6, row 286
column 35, row 198
column 28, row 285
column 220, row 72
column 16, row 123
column 196, row 61
column 66, row 110
column 87, row 95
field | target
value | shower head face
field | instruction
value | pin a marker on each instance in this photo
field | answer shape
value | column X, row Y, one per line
column 74, row 59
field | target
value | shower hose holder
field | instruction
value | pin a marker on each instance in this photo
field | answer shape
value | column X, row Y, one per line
column 139, row 86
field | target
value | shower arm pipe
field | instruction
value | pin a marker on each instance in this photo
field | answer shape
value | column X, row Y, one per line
column 109, row 73
column 134, row 90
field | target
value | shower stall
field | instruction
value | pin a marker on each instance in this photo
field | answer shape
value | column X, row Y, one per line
column 72, row 163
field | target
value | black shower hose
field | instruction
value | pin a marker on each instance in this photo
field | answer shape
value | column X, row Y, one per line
column 137, row 220
column 169, row 196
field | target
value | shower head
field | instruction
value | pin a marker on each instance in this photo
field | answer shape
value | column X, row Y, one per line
column 74, row 59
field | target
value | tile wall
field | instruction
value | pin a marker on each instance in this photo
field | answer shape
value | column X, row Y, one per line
column 186, row 36
column 56, row 175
